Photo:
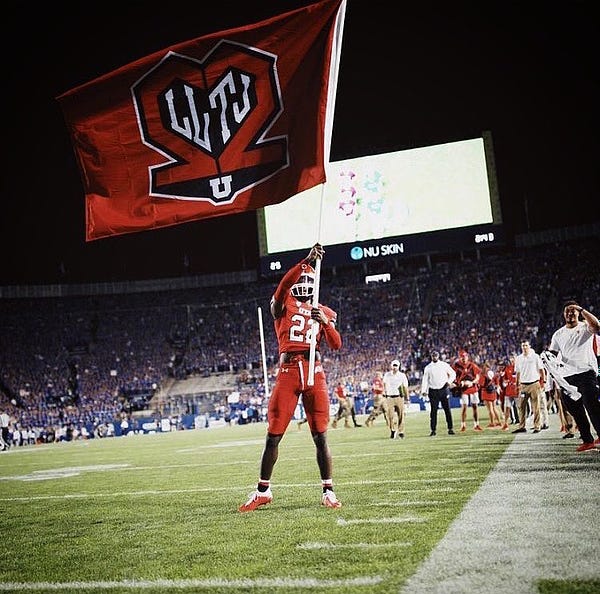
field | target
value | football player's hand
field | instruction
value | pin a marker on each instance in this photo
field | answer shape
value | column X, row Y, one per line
column 316, row 251
column 318, row 316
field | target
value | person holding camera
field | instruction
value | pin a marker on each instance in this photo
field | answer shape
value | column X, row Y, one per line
column 467, row 383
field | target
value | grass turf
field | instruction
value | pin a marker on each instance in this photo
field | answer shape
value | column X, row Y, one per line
column 159, row 512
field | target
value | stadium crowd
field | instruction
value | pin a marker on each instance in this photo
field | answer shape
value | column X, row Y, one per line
column 77, row 367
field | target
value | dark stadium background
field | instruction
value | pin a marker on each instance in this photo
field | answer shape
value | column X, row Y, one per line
column 409, row 77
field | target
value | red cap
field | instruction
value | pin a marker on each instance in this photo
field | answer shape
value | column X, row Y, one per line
column 463, row 353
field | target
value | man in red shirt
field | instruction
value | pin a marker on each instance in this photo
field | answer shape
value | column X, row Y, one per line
column 467, row 381
column 510, row 391
column 378, row 400
column 295, row 321
column 345, row 406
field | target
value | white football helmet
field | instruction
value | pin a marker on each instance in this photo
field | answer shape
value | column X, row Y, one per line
column 304, row 289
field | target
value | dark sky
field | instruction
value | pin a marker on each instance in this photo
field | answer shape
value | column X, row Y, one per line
column 408, row 78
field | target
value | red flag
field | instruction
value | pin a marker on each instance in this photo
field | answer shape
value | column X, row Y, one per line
column 229, row 122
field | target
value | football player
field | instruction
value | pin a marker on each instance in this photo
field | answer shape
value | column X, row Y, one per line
column 296, row 318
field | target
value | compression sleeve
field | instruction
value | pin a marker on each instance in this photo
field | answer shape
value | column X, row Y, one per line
column 288, row 281
column 332, row 336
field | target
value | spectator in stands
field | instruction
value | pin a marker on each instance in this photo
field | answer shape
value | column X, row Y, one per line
column 130, row 352
column 298, row 321
column 437, row 377
column 574, row 343
column 467, row 382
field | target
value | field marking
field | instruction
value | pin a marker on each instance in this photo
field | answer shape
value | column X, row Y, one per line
column 227, row 489
column 315, row 546
column 395, row 520
column 429, row 489
column 543, row 524
column 183, row 584
column 59, row 473
column 403, row 503
column 66, row 472
column 153, row 492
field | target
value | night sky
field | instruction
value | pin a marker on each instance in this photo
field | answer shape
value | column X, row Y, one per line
column 408, row 78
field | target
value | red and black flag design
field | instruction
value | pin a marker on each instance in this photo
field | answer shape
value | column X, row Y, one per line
column 229, row 122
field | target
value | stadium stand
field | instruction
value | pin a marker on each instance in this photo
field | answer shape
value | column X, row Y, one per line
column 71, row 365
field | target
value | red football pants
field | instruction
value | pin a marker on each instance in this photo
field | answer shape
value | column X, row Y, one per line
column 290, row 383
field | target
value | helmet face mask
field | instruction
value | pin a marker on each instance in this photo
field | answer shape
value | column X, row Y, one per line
column 304, row 289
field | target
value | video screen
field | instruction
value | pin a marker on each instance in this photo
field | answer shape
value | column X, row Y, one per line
column 391, row 195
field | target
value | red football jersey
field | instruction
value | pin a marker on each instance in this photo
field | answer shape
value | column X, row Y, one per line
column 294, row 328
column 509, row 379
column 466, row 371
column 378, row 386
column 340, row 392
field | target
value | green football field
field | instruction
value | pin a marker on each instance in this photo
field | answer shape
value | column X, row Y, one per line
column 158, row 513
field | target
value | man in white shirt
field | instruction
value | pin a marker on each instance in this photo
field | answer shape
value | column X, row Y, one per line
column 574, row 343
column 531, row 377
column 395, row 384
column 437, row 375
column 4, row 431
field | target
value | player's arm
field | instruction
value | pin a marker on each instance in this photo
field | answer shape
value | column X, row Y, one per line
column 451, row 374
column 542, row 372
column 425, row 383
column 404, row 389
column 327, row 320
column 290, row 278
column 590, row 319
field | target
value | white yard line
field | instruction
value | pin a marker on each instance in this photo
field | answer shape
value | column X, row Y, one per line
column 312, row 546
column 536, row 516
column 207, row 584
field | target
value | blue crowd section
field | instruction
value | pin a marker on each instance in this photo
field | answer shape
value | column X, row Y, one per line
column 91, row 361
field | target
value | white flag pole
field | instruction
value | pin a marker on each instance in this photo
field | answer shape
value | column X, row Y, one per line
column 314, row 327
column 336, row 50
column 262, row 352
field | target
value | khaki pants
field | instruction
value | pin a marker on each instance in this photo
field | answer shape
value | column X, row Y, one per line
column 378, row 408
column 344, row 411
column 394, row 410
column 531, row 393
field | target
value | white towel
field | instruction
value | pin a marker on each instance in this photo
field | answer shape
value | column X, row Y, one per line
column 558, row 370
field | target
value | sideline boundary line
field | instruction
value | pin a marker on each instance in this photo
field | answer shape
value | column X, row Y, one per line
column 535, row 517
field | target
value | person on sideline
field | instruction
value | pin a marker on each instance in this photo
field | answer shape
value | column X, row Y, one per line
column 295, row 321
column 567, row 423
column 467, row 382
column 437, row 376
column 531, row 378
column 345, row 407
column 488, row 393
column 544, row 402
column 378, row 400
column 395, row 384
column 4, row 431
column 574, row 343
column 508, row 385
